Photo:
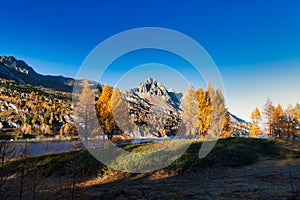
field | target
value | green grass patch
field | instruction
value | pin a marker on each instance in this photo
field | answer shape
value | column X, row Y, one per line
column 79, row 163
column 230, row 152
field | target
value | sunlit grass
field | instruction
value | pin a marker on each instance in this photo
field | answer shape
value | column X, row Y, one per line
column 230, row 152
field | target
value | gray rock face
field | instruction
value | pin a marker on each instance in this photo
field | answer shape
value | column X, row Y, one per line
column 18, row 65
column 152, row 87
column 152, row 95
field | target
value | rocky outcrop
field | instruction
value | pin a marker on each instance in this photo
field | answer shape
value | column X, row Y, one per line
column 239, row 126
column 152, row 104
column 155, row 93
column 152, row 87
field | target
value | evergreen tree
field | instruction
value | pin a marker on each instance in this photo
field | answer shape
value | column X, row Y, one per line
column 289, row 111
column 296, row 112
column 210, row 92
column 278, row 120
column 218, row 113
column 227, row 130
column 84, row 110
column 28, row 120
column 46, row 120
column 203, row 107
column 268, row 112
column 290, row 124
column 120, row 112
column 189, row 111
column 255, row 117
column 105, row 114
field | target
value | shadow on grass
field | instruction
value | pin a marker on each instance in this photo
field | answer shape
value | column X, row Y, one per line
column 186, row 178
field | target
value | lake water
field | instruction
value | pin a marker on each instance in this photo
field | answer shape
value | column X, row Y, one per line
column 44, row 148
column 56, row 147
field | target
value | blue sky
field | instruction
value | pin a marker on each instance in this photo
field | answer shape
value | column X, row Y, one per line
column 255, row 44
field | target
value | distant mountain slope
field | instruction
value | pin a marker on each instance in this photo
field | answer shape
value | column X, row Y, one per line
column 18, row 70
column 235, row 118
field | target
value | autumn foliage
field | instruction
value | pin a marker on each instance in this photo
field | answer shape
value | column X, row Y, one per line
column 113, row 112
column 205, row 113
column 276, row 121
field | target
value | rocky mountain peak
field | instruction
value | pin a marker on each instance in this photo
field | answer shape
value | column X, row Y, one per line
column 17, row 70
column 152, row 87
column 17, row 65
column 150, row 80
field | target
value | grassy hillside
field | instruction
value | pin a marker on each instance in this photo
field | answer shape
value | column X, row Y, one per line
column 59, row 172
column 230, row 152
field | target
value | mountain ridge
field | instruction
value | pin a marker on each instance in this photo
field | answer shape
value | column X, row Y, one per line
column 20, row 71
